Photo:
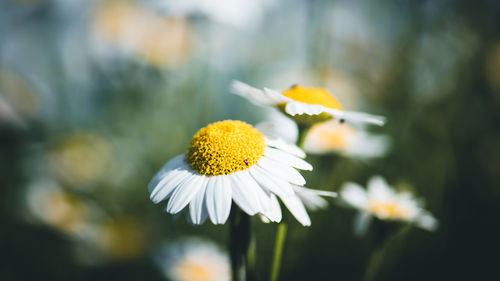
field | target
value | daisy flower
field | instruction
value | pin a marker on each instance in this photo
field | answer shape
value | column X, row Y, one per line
column 304, row 104
column 383, row 202
column 232, row 161
column 333, row 137
column 328, row 137
column 194, row 260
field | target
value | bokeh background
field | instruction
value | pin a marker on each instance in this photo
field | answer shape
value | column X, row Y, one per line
column 96, row 95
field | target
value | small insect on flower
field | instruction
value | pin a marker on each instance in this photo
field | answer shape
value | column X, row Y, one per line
column 194, row 260
column 383, row 202
column 232, row 161
column 306, row 105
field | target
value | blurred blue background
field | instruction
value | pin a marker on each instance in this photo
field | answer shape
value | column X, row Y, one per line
column 96, row 95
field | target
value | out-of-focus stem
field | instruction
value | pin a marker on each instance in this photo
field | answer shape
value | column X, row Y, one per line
column 302, row 136
column 374, row 263
column 242, row 255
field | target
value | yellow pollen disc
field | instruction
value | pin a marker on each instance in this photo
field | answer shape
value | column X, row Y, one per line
column 225, row 147
column 388, row 210
column 189, row 271
column 312, row 96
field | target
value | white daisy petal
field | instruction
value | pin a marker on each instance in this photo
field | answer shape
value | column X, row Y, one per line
column 167, row 185
column 197, row 207
column 290, row 148
column 362, row 117
column 255, row 95
column 274, row 214
column 273, row 184
column 365, row 145
column 263, row 196
column 169, row 166
column 426, row 221
column 218, row 199
column 356, row 117
column 277, row 97
column 244, row 197
column 297, row 209
column 298, row 108
column 285, row 172
column 184, row 193
column 312, row 198
column 278, row 125
column 354, row 195
column 379, row 189
column 312, row 201
column 361, row 223
column 290, row 159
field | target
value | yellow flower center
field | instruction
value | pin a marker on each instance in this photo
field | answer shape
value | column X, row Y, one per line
column 189, row 271
column 312, row 96
column 225, row 147
column 389, row 210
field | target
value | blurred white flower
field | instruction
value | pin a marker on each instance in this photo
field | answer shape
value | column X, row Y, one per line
column 383, row 202
column 133, row 29
column 80, row 158
column 194, row 260
column 237, row 13
column 328, row 137
column 304, row 104
column 232, row 161
column 47, row 201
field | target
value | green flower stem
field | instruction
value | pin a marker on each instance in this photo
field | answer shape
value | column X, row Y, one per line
column 383, row 233
column 278, row 250
column 282, row 227
column 242, row 247
column 303, row 130
column 374, row 263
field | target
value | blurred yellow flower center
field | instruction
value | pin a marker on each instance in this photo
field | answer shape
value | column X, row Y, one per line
column 312, row 96
column 225, row 147
column 389, row 210
column 189, row 271
column 330, row 136
column 63, row 211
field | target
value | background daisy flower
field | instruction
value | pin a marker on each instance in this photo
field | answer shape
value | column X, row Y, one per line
column 328, row 137
column 232, row 161
column 194, row 260
column 131, row 28
column 305, row 104
column 383, row 202
column 47, row 201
